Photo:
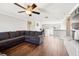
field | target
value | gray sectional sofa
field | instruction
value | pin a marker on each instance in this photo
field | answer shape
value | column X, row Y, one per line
column 10, row 39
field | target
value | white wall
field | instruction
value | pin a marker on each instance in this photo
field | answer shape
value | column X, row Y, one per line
column 39, row 26
column 35, row 25
column 8, row 23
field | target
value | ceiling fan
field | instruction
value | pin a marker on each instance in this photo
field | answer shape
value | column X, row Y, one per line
column 29, row 10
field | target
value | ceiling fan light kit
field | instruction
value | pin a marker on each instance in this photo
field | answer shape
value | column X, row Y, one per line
column 28, row 12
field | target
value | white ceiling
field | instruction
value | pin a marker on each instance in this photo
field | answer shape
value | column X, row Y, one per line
column 54, row 11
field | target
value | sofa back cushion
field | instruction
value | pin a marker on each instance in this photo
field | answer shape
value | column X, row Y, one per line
column 32, row 33
column 17, row 33
column 22, row 33
column 40, row 33
column 27, row 33
column 4, row 35
column 12, row 34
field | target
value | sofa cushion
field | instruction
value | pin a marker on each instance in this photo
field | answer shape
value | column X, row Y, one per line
column 17, row 33
column 27, row 33
column 35, row 40
column 22, row 33
column 36, row 33
column 12, row 34
column 32, row 33
column 4, row 35
column 16, row 38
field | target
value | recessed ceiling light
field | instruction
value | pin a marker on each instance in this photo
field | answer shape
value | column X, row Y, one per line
column 46, row 16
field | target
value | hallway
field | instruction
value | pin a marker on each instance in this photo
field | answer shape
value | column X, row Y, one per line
column 50, row 47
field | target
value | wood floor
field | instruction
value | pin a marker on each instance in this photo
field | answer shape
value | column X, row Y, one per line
column 50, row 47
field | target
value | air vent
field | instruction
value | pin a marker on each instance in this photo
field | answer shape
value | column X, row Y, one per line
column 46, row 16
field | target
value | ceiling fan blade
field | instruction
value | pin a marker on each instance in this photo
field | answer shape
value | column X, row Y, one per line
column 21, row 11
column 35, row 12
column 34, row 6
column 19, row 5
